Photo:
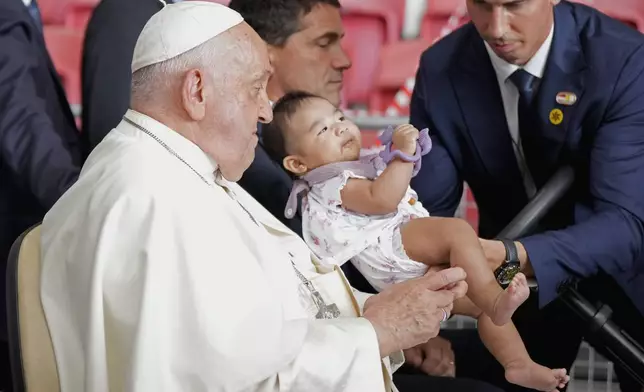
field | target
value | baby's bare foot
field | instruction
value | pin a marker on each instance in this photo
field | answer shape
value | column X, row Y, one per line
column 534, row 376
column 510, row 299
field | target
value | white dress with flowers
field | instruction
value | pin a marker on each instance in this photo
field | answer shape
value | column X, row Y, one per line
column 372, row 242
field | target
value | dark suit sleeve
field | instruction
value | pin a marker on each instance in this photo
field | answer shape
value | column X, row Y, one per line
column 29, row 145
column 612, row 238
column 438, row 183
column 110, row 39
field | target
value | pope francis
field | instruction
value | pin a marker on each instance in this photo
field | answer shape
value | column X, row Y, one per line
column 161, row 274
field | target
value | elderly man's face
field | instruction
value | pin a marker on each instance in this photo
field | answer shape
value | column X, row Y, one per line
column 241, row 103
column 515, row 29
column 312, row 59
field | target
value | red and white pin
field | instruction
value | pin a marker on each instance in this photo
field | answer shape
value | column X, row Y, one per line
column 566, row 98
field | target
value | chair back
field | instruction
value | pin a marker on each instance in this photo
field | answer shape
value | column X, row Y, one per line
column 33, row 364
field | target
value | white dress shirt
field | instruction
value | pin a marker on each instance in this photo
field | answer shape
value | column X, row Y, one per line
column 510, row 95
column 156, row 278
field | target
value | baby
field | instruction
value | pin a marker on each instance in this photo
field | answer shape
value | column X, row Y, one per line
column 361, row 209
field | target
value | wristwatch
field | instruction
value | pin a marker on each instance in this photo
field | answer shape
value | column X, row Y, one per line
column 510, row 266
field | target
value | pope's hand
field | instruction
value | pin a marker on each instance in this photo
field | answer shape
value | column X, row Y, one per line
column 409, row 313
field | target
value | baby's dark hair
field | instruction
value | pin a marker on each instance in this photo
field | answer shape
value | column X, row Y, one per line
column 273, row 134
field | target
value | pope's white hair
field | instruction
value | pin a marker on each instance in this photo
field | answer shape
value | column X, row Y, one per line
column 152, row 80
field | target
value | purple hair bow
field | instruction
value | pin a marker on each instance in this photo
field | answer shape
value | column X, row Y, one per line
column 424, row 146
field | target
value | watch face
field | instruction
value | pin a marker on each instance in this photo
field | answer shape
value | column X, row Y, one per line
column 506, row 272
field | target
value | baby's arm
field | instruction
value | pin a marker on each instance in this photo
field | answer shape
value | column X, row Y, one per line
column 382, row 195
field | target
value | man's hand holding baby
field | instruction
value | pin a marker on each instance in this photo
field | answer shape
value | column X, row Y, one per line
column 405, row 138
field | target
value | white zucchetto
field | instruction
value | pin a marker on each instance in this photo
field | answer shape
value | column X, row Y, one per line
column 180, row 27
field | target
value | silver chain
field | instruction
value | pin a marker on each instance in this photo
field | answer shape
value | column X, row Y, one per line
column 162, row 143
column 324, row 310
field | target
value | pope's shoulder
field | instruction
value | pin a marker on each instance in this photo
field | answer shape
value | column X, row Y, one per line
column 135, row 176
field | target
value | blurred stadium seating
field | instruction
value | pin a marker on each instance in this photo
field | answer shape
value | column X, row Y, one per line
column 65, row 48
column 437, row 16
column 369, row 25
column 71, row 13
column 382, row 61
column 630, row 12
column 397, row 62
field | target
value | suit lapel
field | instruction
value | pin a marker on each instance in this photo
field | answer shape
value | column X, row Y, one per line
column 564, row 73
column 479, row 97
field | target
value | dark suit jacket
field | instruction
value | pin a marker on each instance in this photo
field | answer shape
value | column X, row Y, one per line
column 39, row 147
column 599, row 224
column 110, row 38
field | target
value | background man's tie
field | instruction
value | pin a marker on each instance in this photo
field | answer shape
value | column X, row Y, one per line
column 35, row 13
column 528, row 121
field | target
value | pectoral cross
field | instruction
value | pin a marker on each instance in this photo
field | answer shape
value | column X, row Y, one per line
column 324, row 311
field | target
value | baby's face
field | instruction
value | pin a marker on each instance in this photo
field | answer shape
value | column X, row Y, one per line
column 320, row 134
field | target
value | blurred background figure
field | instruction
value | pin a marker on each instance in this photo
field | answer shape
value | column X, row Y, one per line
column 107, row 52
column 39, row 142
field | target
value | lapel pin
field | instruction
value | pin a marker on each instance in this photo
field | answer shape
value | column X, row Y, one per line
column 566, row 98
column 556, row 116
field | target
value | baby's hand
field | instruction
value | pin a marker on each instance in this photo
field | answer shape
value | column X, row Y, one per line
column 405, row 138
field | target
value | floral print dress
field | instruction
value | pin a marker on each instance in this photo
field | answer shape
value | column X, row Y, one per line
column 372, row 242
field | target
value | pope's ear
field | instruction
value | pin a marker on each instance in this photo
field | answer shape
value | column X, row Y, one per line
column 193, row 94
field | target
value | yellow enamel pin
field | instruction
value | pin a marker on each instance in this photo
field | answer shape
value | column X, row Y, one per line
column 556, row 116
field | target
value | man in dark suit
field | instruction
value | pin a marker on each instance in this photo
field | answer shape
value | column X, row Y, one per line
column 110, row 37
column 303, row 38
column 39, row 147
column 526, row 88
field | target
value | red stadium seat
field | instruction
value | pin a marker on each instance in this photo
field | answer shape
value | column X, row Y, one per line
column 78, row 13
column 398, row 61
column 390, row 14
column 437, row 17
column 52, row 11
column 56, row 12
column 471, row 212
column 630, row 12
column 65, row 47
column 368, row 25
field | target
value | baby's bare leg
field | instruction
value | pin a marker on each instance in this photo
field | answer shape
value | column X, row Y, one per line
column 435, row 241
column 504, row 342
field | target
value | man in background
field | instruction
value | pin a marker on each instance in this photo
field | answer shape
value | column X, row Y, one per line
column 303, row 38
column 107, row 51
column 522, row 91
column 39, row 144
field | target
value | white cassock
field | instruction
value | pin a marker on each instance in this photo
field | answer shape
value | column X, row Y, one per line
column 156, row 280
